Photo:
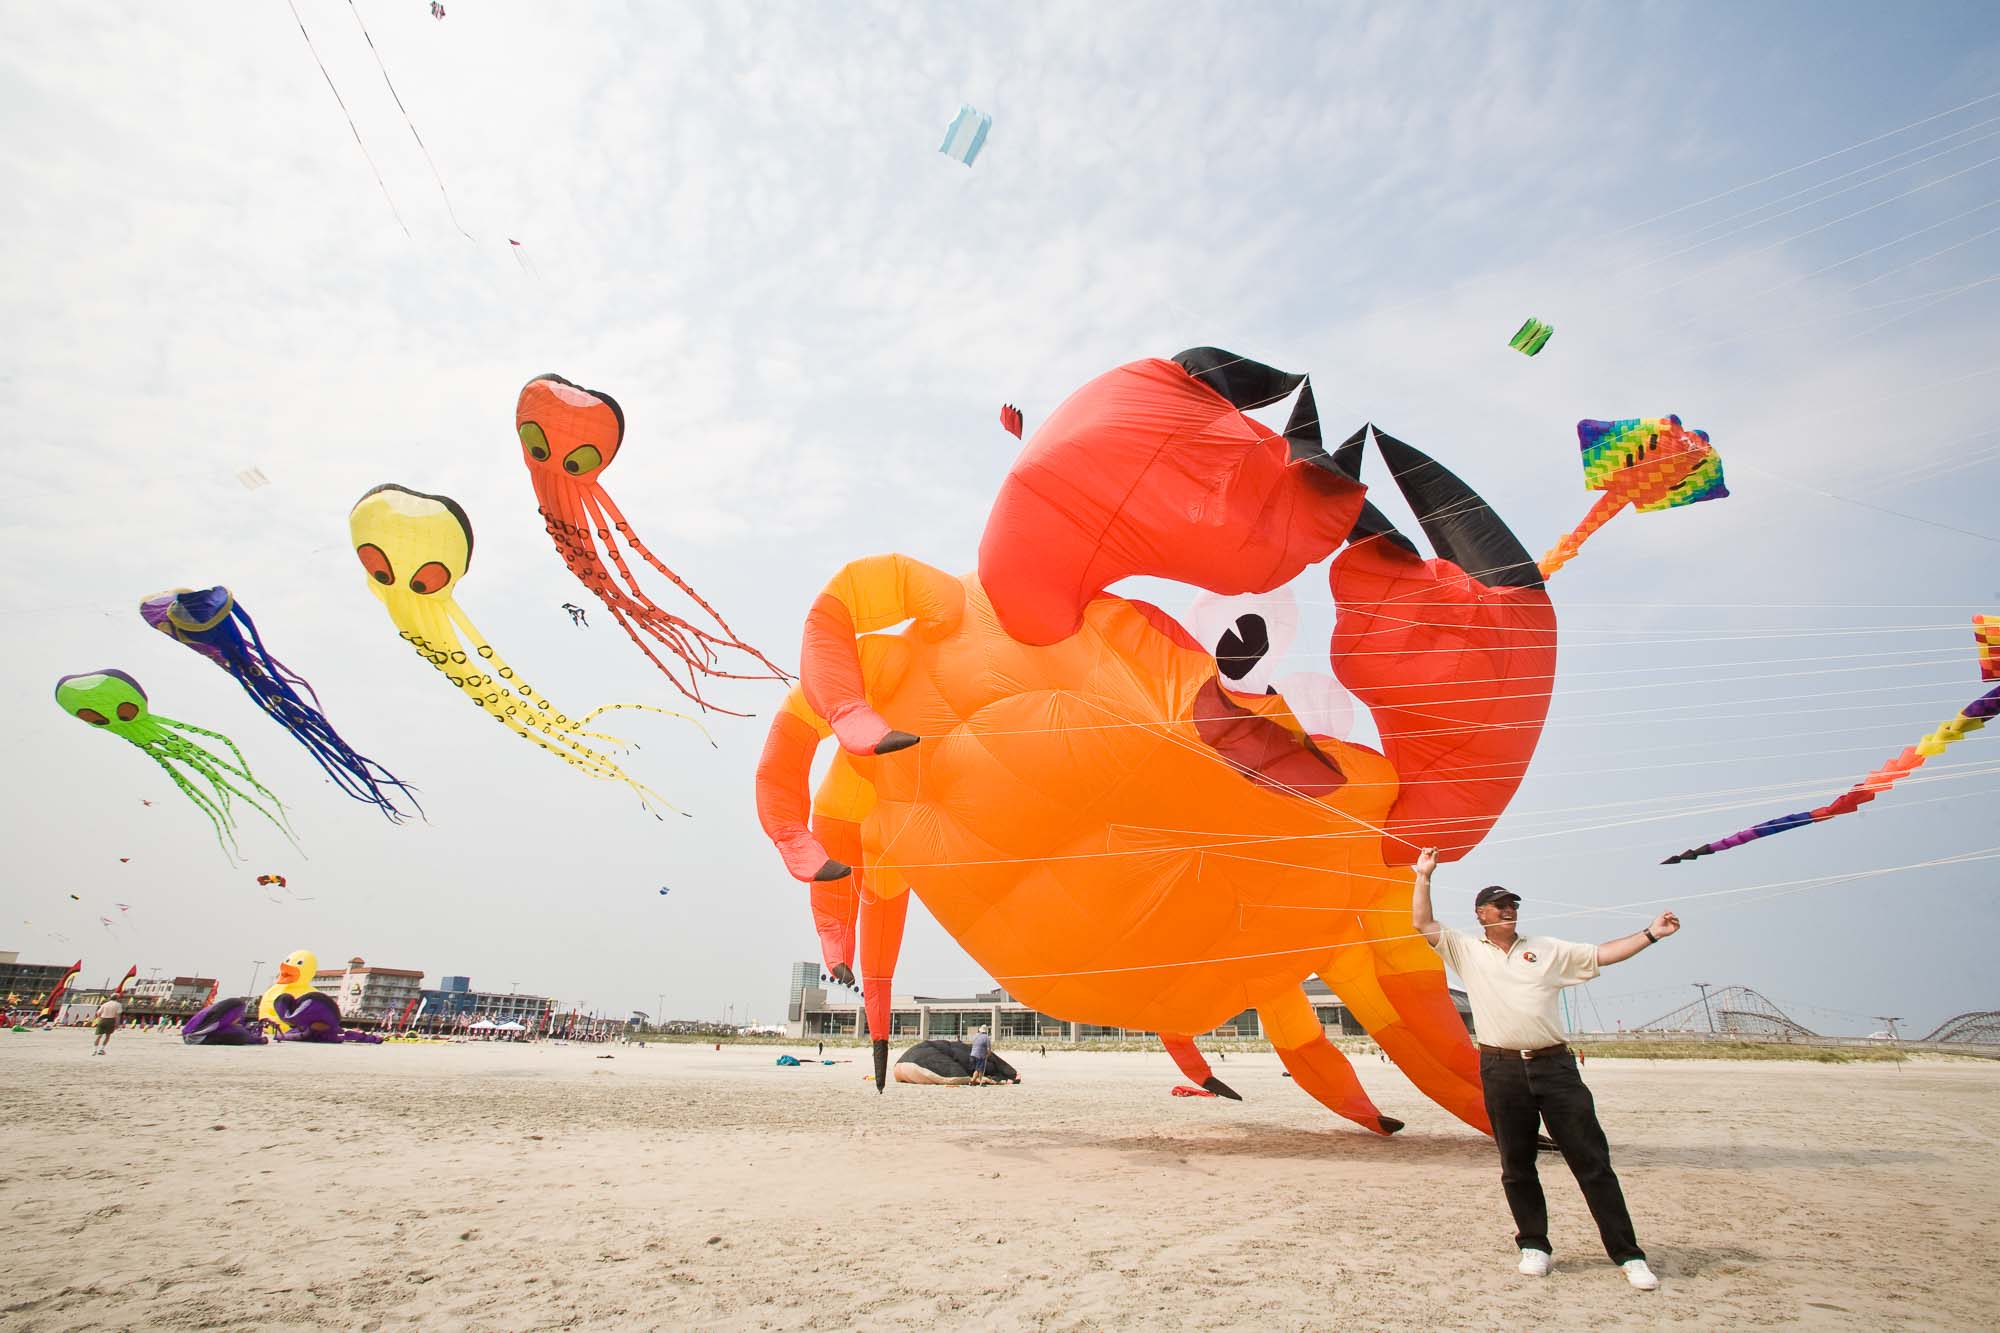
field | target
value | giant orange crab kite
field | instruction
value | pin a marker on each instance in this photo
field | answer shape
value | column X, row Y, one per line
column 1064, row 778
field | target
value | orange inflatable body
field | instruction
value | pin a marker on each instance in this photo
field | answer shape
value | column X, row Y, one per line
column 1112, row 834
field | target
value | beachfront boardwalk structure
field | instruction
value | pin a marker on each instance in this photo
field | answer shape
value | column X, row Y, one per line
column 818, row 1009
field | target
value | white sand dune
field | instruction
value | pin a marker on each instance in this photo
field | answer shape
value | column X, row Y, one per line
column 508, row 1187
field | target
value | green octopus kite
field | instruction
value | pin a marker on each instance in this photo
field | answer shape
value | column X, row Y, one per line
column 115, row 702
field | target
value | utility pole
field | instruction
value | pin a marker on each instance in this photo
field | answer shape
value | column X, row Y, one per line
column 253, row 974
column 1703, row 986
column 1891, row 1022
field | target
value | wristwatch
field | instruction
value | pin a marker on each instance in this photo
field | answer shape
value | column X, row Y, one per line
column 1647, row 931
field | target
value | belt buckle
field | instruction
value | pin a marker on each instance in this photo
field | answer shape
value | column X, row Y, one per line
column 1527, row 1055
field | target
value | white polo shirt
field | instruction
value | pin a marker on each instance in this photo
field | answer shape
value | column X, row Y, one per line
column 1513, row 992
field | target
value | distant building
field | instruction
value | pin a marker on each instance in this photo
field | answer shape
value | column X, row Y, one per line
column 455, row 1003
column 27, row 983
column 363, row 992
column 170, row 992
column 916, row 1017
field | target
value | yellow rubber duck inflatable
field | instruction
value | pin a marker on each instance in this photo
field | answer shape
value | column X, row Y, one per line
column 295, row 978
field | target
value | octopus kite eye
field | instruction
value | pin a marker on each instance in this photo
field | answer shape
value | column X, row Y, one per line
column 127, row 711
column 430, row 578
column 93, row 717
column 535, row 441
column 376, row 563
column 584, row 458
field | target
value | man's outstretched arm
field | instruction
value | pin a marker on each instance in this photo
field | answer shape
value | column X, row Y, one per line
column 1618, row 950
column 1420, row 898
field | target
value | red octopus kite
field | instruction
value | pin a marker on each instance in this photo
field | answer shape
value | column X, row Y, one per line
column 569, row 435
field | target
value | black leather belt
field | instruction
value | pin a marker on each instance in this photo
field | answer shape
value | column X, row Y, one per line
column 1539, row 1054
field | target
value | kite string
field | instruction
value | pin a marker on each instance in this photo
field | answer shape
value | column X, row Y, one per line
column 406, row 119
column 350, row 115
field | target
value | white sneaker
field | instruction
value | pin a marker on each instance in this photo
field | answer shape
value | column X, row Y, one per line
column 1535, row 1263
column 1636, row 1273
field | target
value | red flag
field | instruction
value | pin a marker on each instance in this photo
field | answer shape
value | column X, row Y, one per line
column 130, row 973
column 54, row 1005
column 213, row 987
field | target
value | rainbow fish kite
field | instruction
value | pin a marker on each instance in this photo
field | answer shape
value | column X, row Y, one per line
column 1969, row 719
column 1649, row 463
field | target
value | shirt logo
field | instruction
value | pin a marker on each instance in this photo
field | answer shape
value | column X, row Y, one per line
column 1528, row 956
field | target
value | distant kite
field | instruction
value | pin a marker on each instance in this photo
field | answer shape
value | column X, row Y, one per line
column 252, row 478
column 576, row 615
column 268, row 880
column 415, row 548
column 1010, row 418
column 437, row 9
column 966, row 134
column 1986, row 632
column 1650, row 463
column 1532, row 337
column 112, row 701
column 214, row 624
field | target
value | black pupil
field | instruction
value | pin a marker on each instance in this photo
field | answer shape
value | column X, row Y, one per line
column 1243, row 646
column 381, row 576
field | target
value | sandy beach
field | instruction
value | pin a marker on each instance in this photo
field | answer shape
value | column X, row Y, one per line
column 533, row 1187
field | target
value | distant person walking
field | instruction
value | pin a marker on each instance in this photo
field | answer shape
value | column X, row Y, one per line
column 108, row 1014
column 982, row 1046
column 1529, row 1072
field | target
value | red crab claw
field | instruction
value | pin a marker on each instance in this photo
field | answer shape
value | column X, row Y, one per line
column 1154, row 468
column 1454, row 657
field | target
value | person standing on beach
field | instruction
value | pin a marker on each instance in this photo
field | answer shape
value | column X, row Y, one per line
column 107, row 1023
column 982, row 1046
column 1528, row 1071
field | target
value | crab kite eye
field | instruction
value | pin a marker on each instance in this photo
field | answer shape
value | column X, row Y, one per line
column 93, row 717
column 535, row 441
column 431, row 578
column 584, row 458
column 127, row 711
column 376, row 563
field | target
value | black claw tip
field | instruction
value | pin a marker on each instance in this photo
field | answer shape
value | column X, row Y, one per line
column 843, row 974
column 881, row 1063
column 1388, row 1123
column 894, row 741
column 832, row 870
column 1221, row 1089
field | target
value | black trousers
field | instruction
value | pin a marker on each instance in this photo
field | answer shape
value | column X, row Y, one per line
column 1520, row 1093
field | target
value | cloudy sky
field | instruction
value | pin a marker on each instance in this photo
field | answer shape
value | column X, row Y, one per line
column 1781, row 222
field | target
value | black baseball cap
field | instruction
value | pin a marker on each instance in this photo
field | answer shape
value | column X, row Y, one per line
column 1494, row 894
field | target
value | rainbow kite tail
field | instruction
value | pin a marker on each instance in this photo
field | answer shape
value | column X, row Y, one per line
column 1606, row 509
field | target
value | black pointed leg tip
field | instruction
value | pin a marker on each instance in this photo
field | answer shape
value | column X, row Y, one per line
column 1221, row 1089
column 832, row 870
column 1388, row 1123
column 894, row 741
column 881, row 1064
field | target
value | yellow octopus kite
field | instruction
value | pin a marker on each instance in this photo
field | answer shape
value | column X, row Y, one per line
column 415, row 547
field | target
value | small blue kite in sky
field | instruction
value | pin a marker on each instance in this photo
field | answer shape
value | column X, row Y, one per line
column 966, row 134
